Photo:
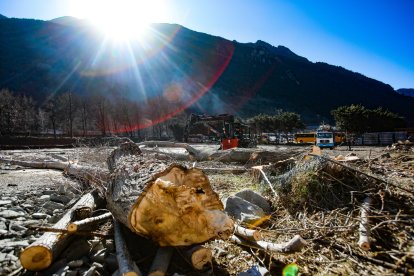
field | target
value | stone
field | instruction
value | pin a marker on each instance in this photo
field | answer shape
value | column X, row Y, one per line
column 17, row 227
column 51, row 205
column 59, row 198
column 255, row 271
column 255, row 198
column 10, row 214
column 44, row 197
column 48, row 192
column 13, row 243
column 3, row 225
column 39, row 215
column 75, row 263
column 243, row 210
column 5, row 202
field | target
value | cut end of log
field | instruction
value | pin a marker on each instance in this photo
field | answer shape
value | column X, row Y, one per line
column 201, row 257
column 364, row 245
column 180, row 208
column 72, row 228
column 36, row 258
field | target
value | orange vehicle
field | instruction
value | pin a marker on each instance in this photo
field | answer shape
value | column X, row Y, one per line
column 305, row 138
column 230, row 133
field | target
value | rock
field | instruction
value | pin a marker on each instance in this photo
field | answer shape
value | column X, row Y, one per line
column 59, row 198
column 11, row 185
column 3, row 231
column 5, row 202
column 254, row 271
column 17, row 227
column 77, row 250
column 13, row 243
column 243, row 210
column 99, row 256
column 39, row 215
column 3, row 225
column 48, row 192
column 44, row 197
column 51, row 205
column 75, row 263
column 10, row 214
column 17, row 209
column 255, row 198
column 385, row 155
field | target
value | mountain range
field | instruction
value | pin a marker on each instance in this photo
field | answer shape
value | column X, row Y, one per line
column 195, row 71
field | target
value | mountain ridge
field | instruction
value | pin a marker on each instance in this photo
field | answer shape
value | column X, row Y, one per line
column 215, row 75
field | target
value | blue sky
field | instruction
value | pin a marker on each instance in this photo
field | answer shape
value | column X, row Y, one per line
column 374, row 38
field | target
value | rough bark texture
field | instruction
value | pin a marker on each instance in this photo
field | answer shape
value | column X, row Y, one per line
column 294, row 245
column 126, row 265
column 161, row 261
column 364, row 229
column 88, row 222
column 40, row 254
column 164, row 201
column 249, row 234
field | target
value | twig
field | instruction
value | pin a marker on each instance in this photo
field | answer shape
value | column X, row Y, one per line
column 364, row 229
column 367, row 258
column 65, row 231
column 267, row 181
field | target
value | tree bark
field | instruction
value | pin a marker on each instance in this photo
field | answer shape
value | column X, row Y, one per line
column 164, row 201
column 87, row 223
column 40, row 254
column 161, row 261
column 294, row 245
column 126, row 265
column 364, row 229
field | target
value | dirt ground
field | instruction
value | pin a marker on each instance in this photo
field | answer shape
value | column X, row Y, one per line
column 331, row 233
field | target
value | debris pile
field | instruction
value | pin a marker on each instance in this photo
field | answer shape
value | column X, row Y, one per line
column 315, row 215
column 402, row 146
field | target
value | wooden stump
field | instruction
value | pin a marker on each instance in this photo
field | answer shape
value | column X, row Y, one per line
column 164, row 201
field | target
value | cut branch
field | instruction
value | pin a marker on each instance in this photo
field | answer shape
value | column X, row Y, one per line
column 87, row 223
column 364, row 227
column 126, row 266
column 294, row 245
column 198, row 256
column 248, row 234
column 40, row 254
column 161, row 261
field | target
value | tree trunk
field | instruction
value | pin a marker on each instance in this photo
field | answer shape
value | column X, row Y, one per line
column 166, row 202
column 40, row 254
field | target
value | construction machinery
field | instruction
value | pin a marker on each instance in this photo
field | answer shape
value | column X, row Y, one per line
column 221, row 128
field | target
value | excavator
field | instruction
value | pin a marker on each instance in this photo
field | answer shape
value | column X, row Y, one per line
column 231, row 134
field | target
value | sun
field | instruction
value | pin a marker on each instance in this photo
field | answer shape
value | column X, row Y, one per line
column 121, row 19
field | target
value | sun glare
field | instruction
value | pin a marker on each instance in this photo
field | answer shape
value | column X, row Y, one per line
column 121, row 19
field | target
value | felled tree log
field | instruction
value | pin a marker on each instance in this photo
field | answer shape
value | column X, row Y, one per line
column 87, row 223
column 126, row 266
column 90, row 174
column 294, row 245
column 40, row 254
column 364, row 228
column 164, row 201
column 198, row 256
column 161, row 261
